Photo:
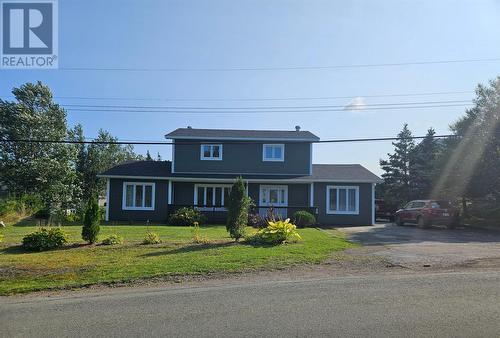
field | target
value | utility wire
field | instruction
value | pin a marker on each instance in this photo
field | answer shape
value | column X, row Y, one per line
column 256, row 99
column 345, row 109
column 237, row 69
column 260, row 107
column 373, row 139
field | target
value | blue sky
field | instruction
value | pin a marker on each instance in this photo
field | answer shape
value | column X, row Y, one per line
column 270, row 33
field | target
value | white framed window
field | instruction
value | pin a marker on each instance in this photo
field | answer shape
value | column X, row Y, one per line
column 208, row 196
column 342, row 200
column 138, row 196
column 273, row 152
column 275, row 195
column 211, row 152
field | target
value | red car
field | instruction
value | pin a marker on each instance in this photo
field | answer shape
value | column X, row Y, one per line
column 427, row 212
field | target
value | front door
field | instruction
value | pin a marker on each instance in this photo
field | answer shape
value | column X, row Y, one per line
column 275, row 196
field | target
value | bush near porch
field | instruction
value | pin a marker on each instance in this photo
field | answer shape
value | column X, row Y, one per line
column 78, row 264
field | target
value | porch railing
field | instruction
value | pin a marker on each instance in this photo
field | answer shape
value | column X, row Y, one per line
column 218, row 214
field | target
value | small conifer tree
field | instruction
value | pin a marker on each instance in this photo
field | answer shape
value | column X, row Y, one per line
column 237, row 215
column 91, row 228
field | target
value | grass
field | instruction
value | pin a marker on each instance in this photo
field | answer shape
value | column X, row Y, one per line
column 78, row 264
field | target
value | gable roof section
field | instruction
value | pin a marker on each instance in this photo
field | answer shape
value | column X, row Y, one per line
column 354, row 173
column 233, row 134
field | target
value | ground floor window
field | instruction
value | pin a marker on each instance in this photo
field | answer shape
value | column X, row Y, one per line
column 342, row 200
column 138, row 196
column 275, row 196
column 211, row 195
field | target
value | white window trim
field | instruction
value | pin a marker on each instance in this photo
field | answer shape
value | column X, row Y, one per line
column 265, row 159
column 211, row 158
column 143, row 184
column 337, row 212
column 195, row 198
column 278, row 187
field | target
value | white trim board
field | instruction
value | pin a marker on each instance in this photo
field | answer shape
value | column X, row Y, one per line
column 231, row 180
column 373, row 204
column 107, row 199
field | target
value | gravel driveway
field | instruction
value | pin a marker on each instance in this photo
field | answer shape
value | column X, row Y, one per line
column 435, row 246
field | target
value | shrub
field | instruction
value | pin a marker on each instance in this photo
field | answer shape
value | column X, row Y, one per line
column 26, row 204
column 186, row 217
column 112, row 240
column 8, row 206
column 237, row 212
column 256, row 221
column 197, row 238
column 151, row 238
column 303, row 218
column 90, row 229
column 45, row 239
column 277, row 233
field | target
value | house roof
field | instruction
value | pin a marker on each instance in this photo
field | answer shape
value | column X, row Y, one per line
column 354, row 173
column 343, row 172
column 233, row 134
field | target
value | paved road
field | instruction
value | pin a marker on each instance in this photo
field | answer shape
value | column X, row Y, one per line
column 440, row 305
column 409, row 245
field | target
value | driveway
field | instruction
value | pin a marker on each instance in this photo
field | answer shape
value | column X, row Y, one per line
column 435, row 246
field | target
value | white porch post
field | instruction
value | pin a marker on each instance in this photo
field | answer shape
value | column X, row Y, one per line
column 373, row 203
column 107, row 200
column 169, row 195
column 311, row 195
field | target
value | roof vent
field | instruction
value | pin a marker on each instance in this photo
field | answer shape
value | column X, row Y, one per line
column 189, row 127
column 297, row 128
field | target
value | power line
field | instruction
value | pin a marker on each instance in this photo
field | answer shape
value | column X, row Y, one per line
column 373, row 139
column 235, row 69
column 261, row 107
column 260, row 111
column 257, row 99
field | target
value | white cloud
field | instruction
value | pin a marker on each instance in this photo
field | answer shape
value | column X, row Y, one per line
column 357, row 104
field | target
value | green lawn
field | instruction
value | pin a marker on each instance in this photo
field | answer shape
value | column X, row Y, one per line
column 78, row 264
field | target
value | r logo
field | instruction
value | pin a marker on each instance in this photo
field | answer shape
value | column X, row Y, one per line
column 27, row 28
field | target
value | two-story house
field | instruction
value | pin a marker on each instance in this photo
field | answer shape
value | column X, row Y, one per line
column 276, row 166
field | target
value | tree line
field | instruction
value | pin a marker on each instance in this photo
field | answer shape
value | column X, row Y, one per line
column 463, row 167
column 63, row 176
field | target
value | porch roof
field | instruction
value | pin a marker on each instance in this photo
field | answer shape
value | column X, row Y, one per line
column 354, row 173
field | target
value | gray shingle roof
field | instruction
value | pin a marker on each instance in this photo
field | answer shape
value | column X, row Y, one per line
column 232, row 134
column 321, row 172
column 343, row 172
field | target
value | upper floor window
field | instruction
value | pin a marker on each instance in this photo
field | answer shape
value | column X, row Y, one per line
column 342, row 200
column 138, row 196
column 273, row 152
column 211, row 152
